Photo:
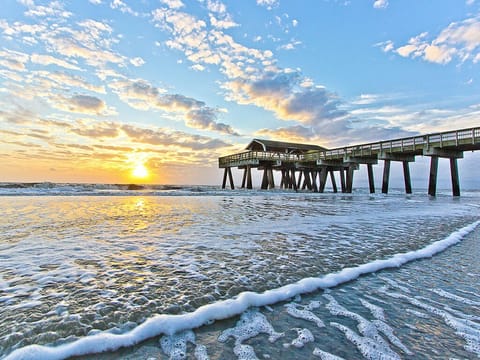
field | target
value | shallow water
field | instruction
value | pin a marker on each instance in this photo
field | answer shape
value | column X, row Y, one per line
column 74, row 266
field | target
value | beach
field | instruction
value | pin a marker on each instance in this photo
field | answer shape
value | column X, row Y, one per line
column 239, row 274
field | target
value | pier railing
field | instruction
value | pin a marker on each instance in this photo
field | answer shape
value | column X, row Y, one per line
column 252, row 157
column 465, row 139
column 410, row 145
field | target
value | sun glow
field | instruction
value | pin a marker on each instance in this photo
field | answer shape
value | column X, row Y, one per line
column 140, row 172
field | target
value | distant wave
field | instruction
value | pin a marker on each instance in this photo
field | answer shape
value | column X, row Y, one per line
column 49, row 188
column 170, row 324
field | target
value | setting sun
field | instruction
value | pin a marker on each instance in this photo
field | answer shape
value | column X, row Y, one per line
column 140, row 172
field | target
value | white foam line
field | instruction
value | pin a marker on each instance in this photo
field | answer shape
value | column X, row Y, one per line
column 170, row 324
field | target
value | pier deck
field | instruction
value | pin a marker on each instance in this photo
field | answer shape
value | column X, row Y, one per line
column 295, row 161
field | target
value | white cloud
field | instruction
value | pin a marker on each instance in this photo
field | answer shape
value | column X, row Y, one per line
column 96, row 2
column 173, row 4
column 138, row 61
column 296, row 133
column 94, row 57
column 291, row 45
column 386, row 46
column 27, row 3
column 83, row 104
column 13, row 60
column 50, row 60
column 49, row 81
column 204, row 46
column 198, row 67
column 54, row 9
column 96, row 28
column 124, row 8
column 406, row 50
column 216, row 7
column 224, row 23
column 166, row 137
column 380, row 4
column 141, row 95
column 438, row 54
column 366, row 99
column 460, row 40
column 269, row 4
column 284, row 95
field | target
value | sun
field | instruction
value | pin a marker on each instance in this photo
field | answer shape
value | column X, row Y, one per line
column 140, row 171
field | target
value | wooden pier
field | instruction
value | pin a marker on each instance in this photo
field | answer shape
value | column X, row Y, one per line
column 305, row 166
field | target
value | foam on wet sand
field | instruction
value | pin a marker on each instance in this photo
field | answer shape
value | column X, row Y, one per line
column 172, row 324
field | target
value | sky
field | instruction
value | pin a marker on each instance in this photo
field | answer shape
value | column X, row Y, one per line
column 102, row 91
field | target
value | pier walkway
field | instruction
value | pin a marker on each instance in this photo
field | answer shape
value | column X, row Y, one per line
column 305, row 166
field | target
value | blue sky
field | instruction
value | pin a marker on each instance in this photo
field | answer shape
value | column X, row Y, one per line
column 91, row 89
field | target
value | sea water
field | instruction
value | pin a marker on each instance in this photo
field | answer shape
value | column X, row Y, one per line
column 159, row 273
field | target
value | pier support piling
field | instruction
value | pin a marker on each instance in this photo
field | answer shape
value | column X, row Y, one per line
column 386, row 176
column 342, row 180
column 228, row 173
column 264, row 180
column 371, row 181
column 350, row 172
column 249, row 177
column 314, row 181
column 271, row 180
column 454, row 175
column 307, row 180
column 294, row 183
column 406, row 177
column 323, row 179
column 334, row 184
column 268, row 181
column 432, row 182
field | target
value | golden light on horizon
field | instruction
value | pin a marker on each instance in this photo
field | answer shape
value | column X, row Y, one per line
column 140, row 172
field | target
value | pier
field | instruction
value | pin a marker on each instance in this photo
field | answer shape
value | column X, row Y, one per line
column 304, row 166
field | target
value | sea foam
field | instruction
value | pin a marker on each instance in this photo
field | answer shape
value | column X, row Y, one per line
column 171, row 324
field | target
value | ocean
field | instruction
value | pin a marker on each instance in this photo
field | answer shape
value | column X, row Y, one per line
column 171, row 272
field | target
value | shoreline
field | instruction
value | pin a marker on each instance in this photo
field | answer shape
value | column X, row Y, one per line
column 169, row 324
